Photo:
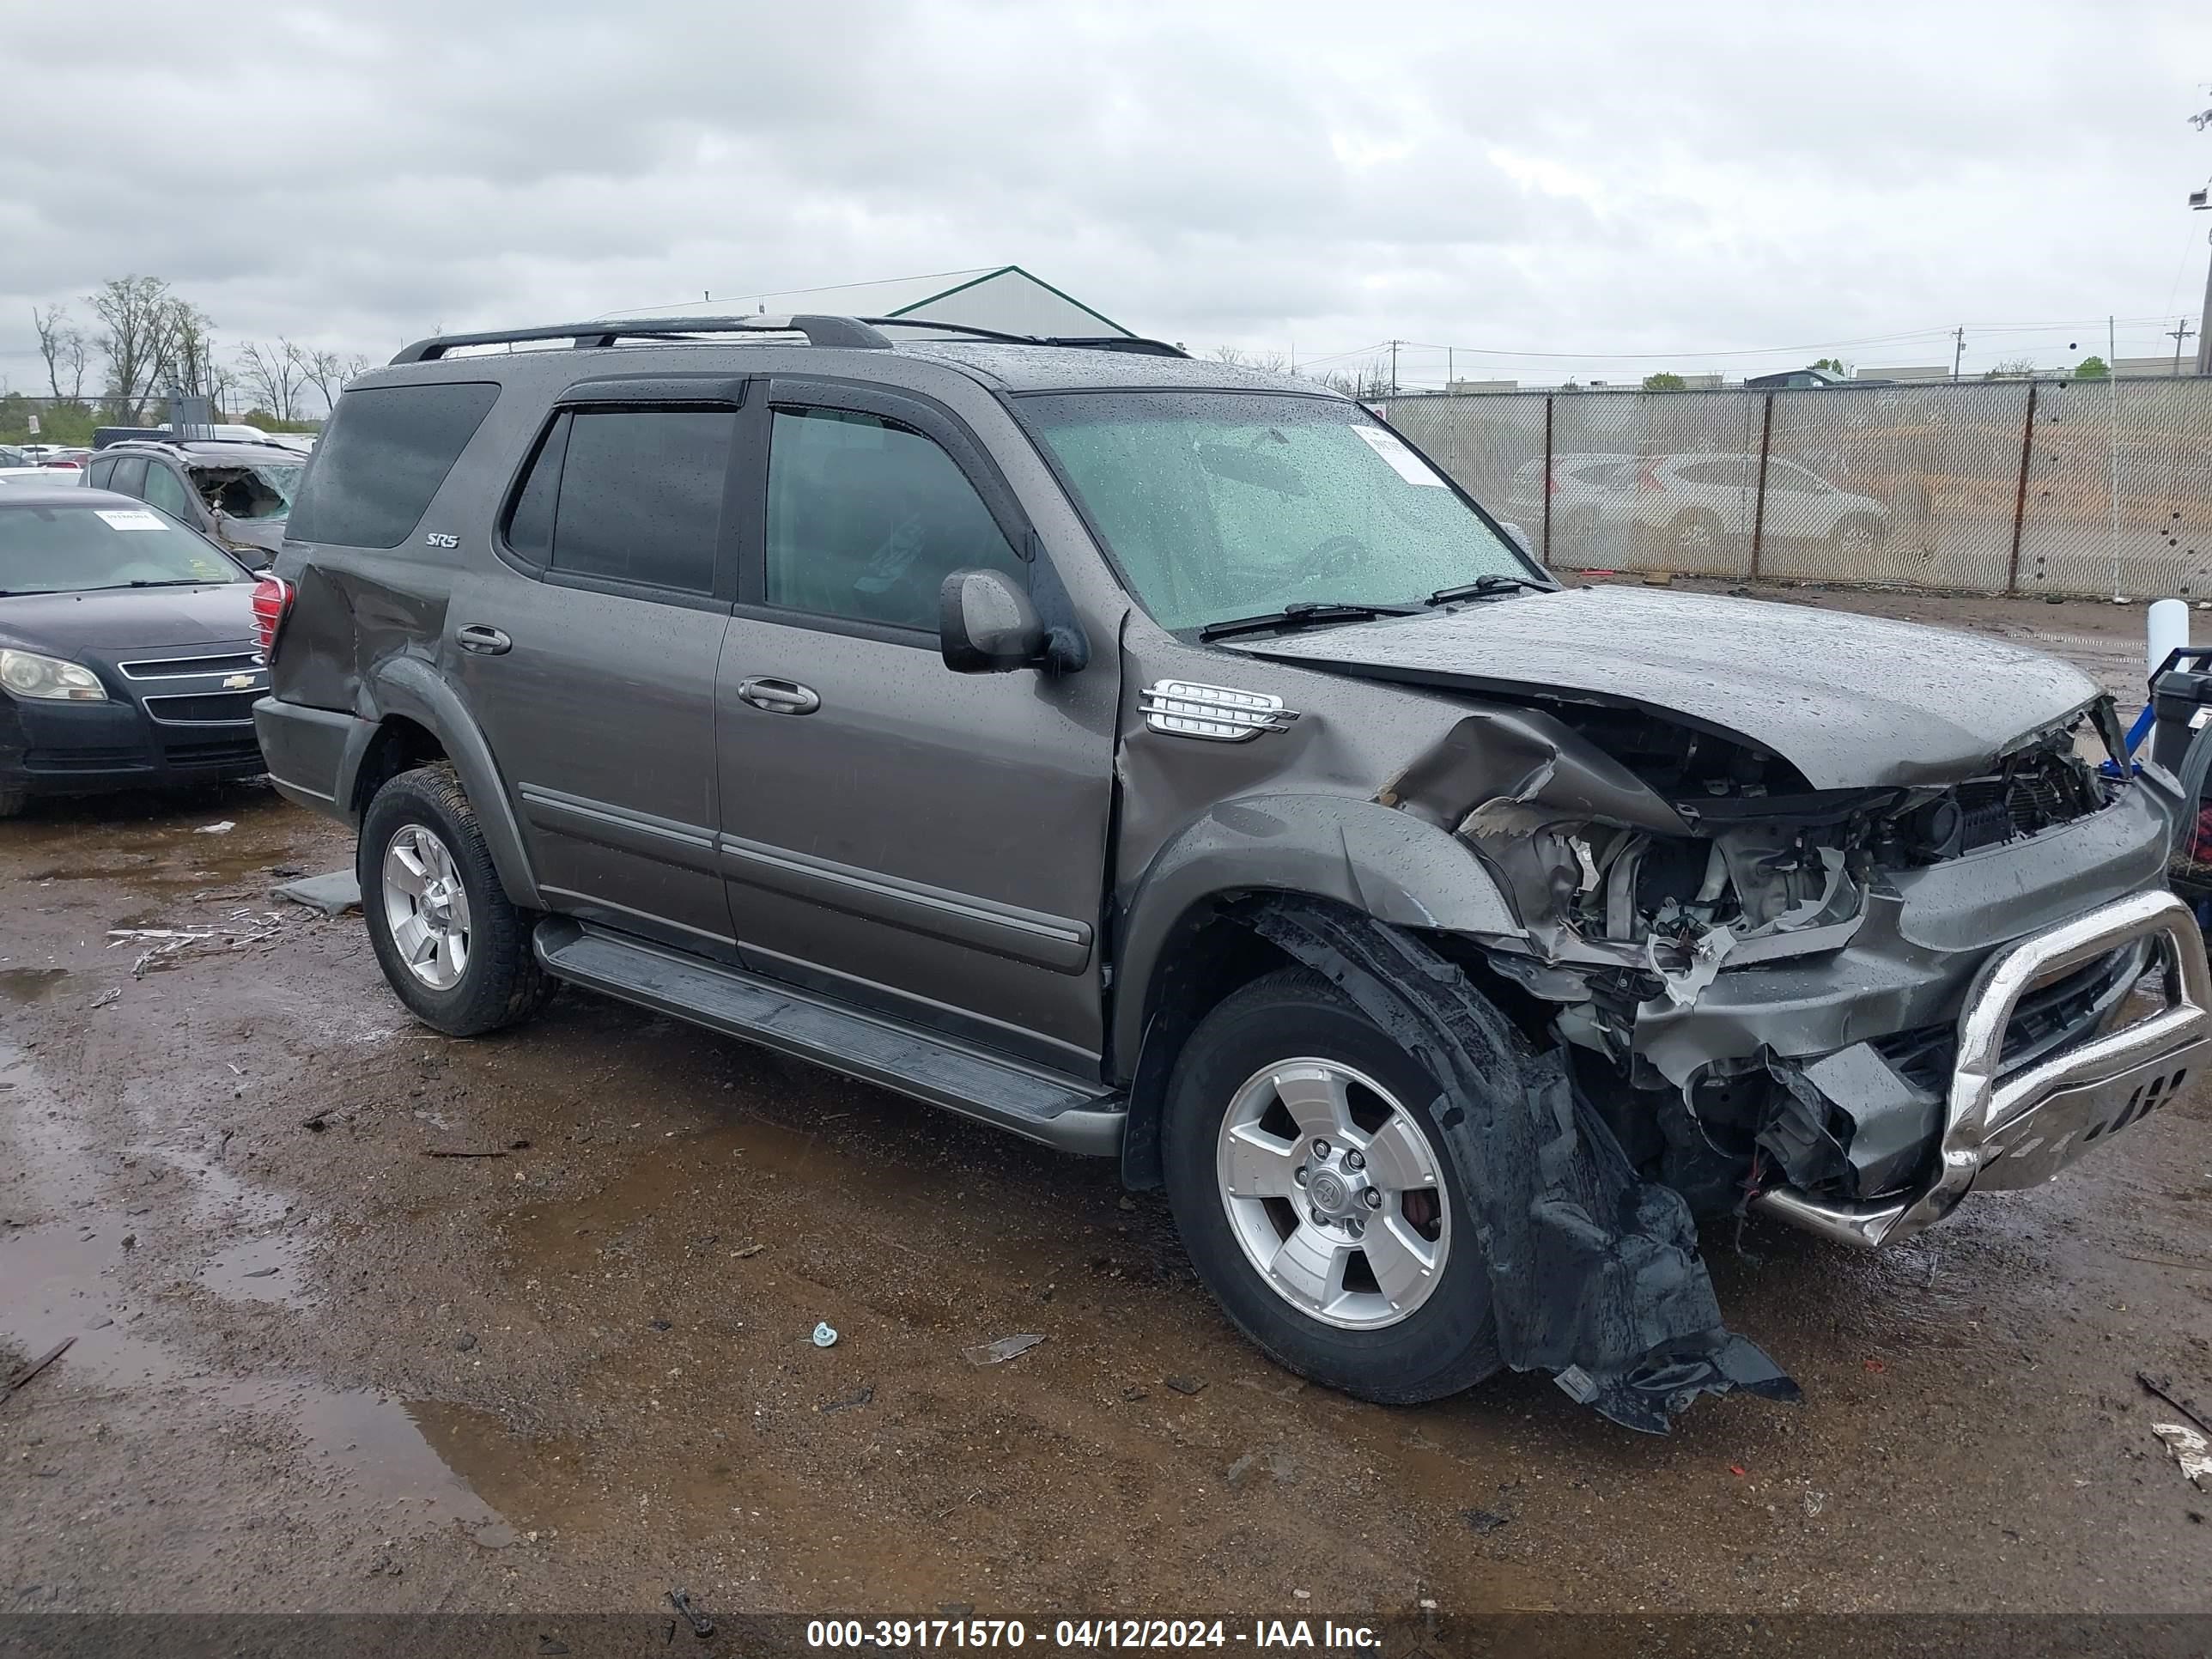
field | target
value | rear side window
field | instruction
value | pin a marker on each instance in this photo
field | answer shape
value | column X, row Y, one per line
column 381, row 458
column 130, row 476
column 629, row 495
column 98, row 473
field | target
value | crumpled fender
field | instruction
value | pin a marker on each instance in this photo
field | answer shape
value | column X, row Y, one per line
column 1594, row 1273
column 1385, row 863
column 412, row 688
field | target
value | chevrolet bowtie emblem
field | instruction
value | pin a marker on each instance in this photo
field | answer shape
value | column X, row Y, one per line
column 239, row 682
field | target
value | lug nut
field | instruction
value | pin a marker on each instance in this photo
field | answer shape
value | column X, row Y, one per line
column 1319, row 1219
column 1356, row 1227
column 1321, row 1149
column 1373, row 1198
column 1298, row 1174
column 1354, row 1161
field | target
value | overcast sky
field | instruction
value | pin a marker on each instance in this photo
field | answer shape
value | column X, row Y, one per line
column 1598, row 178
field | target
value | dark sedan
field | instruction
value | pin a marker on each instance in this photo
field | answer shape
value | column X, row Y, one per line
column 127, row 651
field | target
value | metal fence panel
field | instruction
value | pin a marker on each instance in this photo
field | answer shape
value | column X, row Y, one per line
column 2071, row 487
column 2119, row 490
column 1894, row 484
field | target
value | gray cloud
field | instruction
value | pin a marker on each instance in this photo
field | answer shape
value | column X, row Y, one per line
column 1607, row 177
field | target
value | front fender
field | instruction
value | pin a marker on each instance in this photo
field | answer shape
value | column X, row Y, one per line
column 415, row 689
column 1369, row 858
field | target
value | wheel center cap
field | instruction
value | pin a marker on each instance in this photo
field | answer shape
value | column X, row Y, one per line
column 1329, row 1191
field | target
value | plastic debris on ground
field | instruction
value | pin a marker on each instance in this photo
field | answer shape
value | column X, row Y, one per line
column 1594, row 1273
column 825, row 1335
column 332, row 895
column 222, row 828
column 2191, row 1449
column 1005, row 1348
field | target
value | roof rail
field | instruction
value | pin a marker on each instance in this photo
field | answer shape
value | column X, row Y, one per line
column 1133, row 343
column 862, row 332
column 818, row 331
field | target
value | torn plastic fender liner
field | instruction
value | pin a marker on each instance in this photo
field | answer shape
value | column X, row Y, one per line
column 1594, row 1273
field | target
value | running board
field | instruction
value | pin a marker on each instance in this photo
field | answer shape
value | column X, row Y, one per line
column 1058, row 1111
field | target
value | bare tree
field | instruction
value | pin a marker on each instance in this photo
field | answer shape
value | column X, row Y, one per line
column 63, row 346
column 329, row 370
column 272, row 375
column 188, row 353
column 136, row 318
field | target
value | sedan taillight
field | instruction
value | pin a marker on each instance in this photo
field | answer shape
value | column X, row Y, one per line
column 272, row 603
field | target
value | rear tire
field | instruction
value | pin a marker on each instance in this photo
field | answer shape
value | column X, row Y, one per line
column 1347, row 1303
column 452, row 945
column 13, row 801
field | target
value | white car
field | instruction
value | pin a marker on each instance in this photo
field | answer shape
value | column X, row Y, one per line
column 1577, row 484
column 1695, row 503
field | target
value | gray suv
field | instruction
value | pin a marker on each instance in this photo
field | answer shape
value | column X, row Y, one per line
column 1166, row 762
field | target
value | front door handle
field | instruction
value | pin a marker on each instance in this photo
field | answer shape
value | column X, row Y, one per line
column 780, row 696
column 487, row 642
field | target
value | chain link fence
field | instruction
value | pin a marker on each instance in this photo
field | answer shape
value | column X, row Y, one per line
column 2090, row 489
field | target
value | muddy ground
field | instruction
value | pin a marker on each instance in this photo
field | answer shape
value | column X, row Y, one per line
column 317, row 1367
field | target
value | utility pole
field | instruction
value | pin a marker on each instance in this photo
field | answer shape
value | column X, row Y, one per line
column 1958, row 350
column 1393, row 368
column 2200, row 200
column 2180, row 331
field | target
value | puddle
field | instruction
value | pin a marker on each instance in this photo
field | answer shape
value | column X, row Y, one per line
column 30, row 984
column 62, row 1257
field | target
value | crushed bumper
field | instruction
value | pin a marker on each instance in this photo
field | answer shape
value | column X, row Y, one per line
column 2008, row 1131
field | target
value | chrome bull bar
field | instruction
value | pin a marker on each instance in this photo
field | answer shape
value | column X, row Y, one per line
column 2019, row 1131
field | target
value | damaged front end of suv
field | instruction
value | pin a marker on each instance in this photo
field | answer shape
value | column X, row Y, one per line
column 1842, row 999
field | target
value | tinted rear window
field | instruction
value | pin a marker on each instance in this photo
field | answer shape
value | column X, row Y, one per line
column 381, row 458
column 629, row 495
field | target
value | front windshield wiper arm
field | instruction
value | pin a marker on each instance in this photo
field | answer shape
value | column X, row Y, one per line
column 1484, row 586
column 1306, row 613
column 176, row 581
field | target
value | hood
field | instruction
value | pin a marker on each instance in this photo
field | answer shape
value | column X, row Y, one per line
column 1852, row 702
column 128, row 618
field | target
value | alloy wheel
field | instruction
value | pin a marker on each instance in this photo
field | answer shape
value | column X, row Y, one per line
column 426, row 906
column 1334, row 1193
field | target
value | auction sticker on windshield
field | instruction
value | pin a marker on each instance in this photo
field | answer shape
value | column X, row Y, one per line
column 1405, row 464
column 129, row 517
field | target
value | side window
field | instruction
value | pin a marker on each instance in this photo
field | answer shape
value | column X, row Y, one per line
column 130, row 477
column 164, row 491
column 630, row 494
column 99, row 472
column 865, row 518
column 383, row 455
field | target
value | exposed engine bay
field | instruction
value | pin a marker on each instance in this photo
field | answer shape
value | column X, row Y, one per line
column 1748, row 866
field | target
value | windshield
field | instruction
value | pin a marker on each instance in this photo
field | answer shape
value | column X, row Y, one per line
column 71, row 550
column 262, row 490
column 1221, row 505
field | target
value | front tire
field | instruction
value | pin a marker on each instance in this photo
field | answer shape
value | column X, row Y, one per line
column 452, row 946
column 1320, row 1201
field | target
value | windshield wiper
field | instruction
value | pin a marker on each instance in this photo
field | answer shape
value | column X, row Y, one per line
column 1484, row 586
column 1306, row 613
column 176, row 581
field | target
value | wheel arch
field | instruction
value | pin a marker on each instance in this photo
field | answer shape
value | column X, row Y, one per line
column 419, row 718
column 1184, row 944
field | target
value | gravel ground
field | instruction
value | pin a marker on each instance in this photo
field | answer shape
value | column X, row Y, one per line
column 317, row 1366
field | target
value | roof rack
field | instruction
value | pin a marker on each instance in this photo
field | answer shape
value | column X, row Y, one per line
column 863, row 333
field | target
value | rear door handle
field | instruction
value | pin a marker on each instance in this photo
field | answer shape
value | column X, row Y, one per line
column 487, row 642
column 780, row 696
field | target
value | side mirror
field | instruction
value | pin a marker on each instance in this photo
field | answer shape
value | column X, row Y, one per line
column 986, row 625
